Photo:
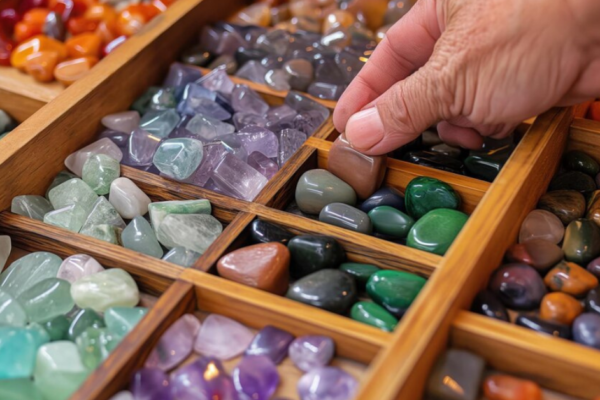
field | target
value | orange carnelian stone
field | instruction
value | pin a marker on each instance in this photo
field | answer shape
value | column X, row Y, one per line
column 63, row 7
column 504, row 387
column 41, row 65
column 100, row 12
column 36, row 44
column 85, row 44
column 24, row 31
column 594, row 112
column 70, row 71
column 107, row 31
column 35, row 16
column 570, row 278
column 131, row 20
column 79, row 25
column 560, row 307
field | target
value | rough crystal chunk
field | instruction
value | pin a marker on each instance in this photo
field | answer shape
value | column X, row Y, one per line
column 75, row 161
column 236, row 178
column 182, row 257
column 193, row 231
column 178, row 158
column 139, row 236
column 70, row 217
column 259, row 139
column 263, row 164
column 99, row 171
column 158, row 211
column 31, row 206
column 222, row 337
column 290, row 140
column 110, row 288
column 128, row 199
column 29, row 270
column 175, row 344
column 46, row 299
column 142, row 146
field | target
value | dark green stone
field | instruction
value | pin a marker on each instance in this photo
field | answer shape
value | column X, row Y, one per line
column 573, row 180
column 487, row 165
column 579, row 161
column 329, row 289
column 436, row 231
column 265, row 232
column 310, row 253
column 390, row 221
column 57, row 328
column 142, row 103
column 568, row 205
column 86, row 318
column 360, row 272
column 582, row 241
column 394, row 290
column 373, row 314
column 424, row 194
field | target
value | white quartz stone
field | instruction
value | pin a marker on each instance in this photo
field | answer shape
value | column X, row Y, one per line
column 128, row 199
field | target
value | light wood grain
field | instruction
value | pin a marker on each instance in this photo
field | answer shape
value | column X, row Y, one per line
column 19, row 84
column 585, row 136
column 18, row 106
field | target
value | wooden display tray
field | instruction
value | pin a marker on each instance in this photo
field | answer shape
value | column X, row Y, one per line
column 396, row 365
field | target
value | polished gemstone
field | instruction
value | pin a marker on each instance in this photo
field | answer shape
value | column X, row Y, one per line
column 164, row 99
column 70, row 217
column 181, row 74
column 75, row 161
column 594, row 267
column 57, row 328
column 266, row 166
column 424, row 194
column 582, row 241
column 182, row 257
column 142, row 103
column 59, row 370
column 311, row 351
column 46, row 299
column 505, row 387
column 326, row 91
column 256, row 377
column 31, row 206
column 435, row 160
column 329, row 289
column 265, row 232
column 310, row 253
column 573, row 180
column 586, row 330
column 222, row 337
column 236, row 178
column 593, row 208
column 329, row 383
column 299, row 73
column 360, row 272
column 12, row 312
column 141, row 148
column 29, row 270
column 103, row 213
column 95, row 344
column 175, row 344
column 272, row 343
column 139, row 236
column 209, row 128
column 18, row 347
column 345, row 216
column 262, row 140
column 196, row 98
column 74, row 191
column 541, row 224
column 539, row 253
column 373, row 314
column 253, row 71
column 99, row 171
column 241, row 120
column 560, row 308
column 193, row 231
column 386, row 196
column 570, row 278
column 277, row 79
column 486, row 303
column 204, row 378
column 318, row 188
column 363, row 173
column 568, row 205
column 592, row 301
column 460, row 367
column 244, row 99
column 125, row 121
column 436, row 230
column 106, row 233
column 217, row 81
column 85, row 318
column 391, row 221
column 233, row 144
column 122, row 320
column 19, row 389
column 518, row 286
column 62, row 177
column 290, row 140
column 576, row 160
column 537, row 324
column 178, row 158
column 274, row 42
column 159, row 210
column 128, row 199
column 486, row 165
column 110, row 288
column 394, row 290
column 264, row 266
column 151, row 384
column 121, row 139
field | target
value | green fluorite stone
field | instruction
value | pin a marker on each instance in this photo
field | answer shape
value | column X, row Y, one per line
column 83, row 320
column 142, row 103
column 110, row 288
column 19, row 389
column 160, row 123
column 394, row 290
column 99, row 171
column 70, row 217
column 179, row 158
column 103, row 213
column 62, row 177
column 106, row 233
column 94, row 345
column 57, row 327
column 158, row 211
column 424, row 194
column 31, row 206
column 139, row 236
column 47, row 299
column 436, row 230
column 121, row 320
column 579, row 161
column 360, row 272
column 194, row 231
column 39, row 333
column 29, row 270
column 18, row 347
column 181, row 256
column 73, row 191
column 11, row 311
column 58, row 370
column 390, row 221
column 373, row 314
column 582, row 241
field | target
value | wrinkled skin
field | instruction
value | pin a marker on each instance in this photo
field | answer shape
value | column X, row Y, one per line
column 476, row 67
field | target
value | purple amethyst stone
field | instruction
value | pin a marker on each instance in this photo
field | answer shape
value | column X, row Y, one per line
column 312, row 351
column 329, row 383
column 205, row 378
column 271, row 342
column 150, row 384
column 256, row 377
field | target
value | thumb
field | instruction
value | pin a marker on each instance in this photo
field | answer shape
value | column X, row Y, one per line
column 400, row 114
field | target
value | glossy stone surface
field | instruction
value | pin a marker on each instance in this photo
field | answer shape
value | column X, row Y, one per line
column 19, row 389
column 159, row 210
column 456, row 376
column 311, row 351
column 244, row 99
column 394, row 290
column 518, row 286
column 12, row 312
column 541, row 224
column 59, row 370
column 270, row 342
column 327, row 383
column 29, row 270
column 347, row 217
column 391, row 221
column 436, row 230
column 586, row 330
column 141, row 148
column 103, row 213
column 180, row 75
column 567, row 205
column 150, row 384
column 104, row 232
column 209, row 128
column 99, row 171
column 175, row 344
column 539, row 325
column 424, row 194
column 570, row 278
column 193, row 231
column 486, row 303
column 360, row 272
column 178, row 158
column 505, row 387
column 84, row 319
column 95, row 344
column 573, row 180
column 31, row 206
column 110, row 288
column 310, row 253
column 57, row 328
column 594, row 267
column 70, row 217
column 75, row 161
column 290, row 140
column 256, row 377
column 329, row 289
column 386, row 196
column 373, row 314
column 46, row 299
column 128, row 199
column 182, row 257
column 435, row 160
column 62, row 177
column 139, row 236
column 18, row 348
column 125, row 121
column 539, row 253
column 560, row 308
column 592, row 301
column 318, row 188
column 582, row 241
column 205, row 378
column 74, row 191
column 122, row 320
column 222, row 338
column 265, row 232
column 264, row 266
column 160, row 123
column 576, row 160
column 237, row 179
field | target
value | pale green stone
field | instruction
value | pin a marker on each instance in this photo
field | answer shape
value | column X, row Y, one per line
column 12, row 312
column 194, row 231
column 46, row 299
column 158, row 211
column 71, row 217
column 94, row 345
column 110, row 288
column 62, row 177
column 160, row 123
column 29, row 270
column 103, row 213
column 99, row 171
column 107, row 233
column 19, row 389
column 73, row 191
column 18, row 347
column 139, row 236
column 57, row 328
column 40, row 335
column 59, row 370
column 182, row 257
column 122, row 320
column 178, row 158
column 31, row 206
column 83, row 320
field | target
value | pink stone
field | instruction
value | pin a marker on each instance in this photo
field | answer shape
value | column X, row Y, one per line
column 175, row 344
column 125, row 121
column 222, row 338
column 78, row 266
column 541, row 224
column 105, row 146
column 237, row 179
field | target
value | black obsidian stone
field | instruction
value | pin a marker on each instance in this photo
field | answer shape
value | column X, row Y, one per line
column 311, row 253
column 435, row 160
column 265, row 232
column 486, row 303
column 539, row 325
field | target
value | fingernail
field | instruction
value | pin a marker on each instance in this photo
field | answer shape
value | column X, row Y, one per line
column 365, row 129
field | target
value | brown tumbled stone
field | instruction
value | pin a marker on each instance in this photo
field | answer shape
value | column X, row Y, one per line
column 593, row 210
column 560, row 307
column 539, row 253
column 567, row 205
column 264, row 266
column 570, row 278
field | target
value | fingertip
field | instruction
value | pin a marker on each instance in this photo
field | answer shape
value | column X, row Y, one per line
column 365, row 129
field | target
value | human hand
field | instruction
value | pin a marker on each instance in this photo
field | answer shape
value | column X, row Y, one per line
column 476, row 67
